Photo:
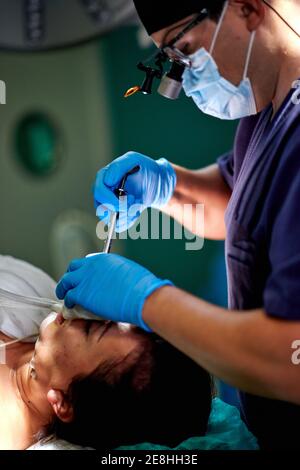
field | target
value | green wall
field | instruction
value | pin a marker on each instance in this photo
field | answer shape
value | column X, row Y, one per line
column 66, row 86
column 82, row 89
column 158, row 127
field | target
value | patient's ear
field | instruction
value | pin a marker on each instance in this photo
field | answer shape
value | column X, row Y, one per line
column 61, row 405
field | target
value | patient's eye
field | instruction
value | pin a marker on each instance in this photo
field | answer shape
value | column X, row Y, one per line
column 88, row 325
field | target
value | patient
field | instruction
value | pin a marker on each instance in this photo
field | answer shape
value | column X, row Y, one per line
column 100, row 385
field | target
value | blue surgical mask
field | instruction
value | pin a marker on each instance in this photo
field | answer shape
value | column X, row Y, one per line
column 213, row 94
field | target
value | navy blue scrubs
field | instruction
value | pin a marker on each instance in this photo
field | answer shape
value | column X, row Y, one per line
column 263, row 243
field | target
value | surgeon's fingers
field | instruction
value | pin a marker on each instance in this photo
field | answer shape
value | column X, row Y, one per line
column 67, row 282
column 124, row 224
column 76, row 264
column 70, row 299
column 119, row 167
column 103, row 194
column 130, row 200
column 127, row 220
column 104, row 214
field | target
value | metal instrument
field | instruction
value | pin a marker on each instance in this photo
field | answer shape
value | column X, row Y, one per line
column 120, row 193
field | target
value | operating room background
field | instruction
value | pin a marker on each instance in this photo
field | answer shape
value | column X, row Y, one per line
column 65, row 117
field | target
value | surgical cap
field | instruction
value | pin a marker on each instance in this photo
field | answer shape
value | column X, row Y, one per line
column 158, row 14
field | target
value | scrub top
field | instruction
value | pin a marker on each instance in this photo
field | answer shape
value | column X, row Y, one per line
column 263, row 243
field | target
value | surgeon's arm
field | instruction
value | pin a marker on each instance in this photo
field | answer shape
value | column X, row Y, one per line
column 207, row 187
column 249, row 350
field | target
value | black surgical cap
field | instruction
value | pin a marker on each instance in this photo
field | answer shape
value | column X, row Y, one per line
column 159, row 14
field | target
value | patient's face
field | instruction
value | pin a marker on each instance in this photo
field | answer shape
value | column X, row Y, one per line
column 69, row 349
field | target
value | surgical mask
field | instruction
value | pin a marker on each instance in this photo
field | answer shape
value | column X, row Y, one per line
column 213, row 94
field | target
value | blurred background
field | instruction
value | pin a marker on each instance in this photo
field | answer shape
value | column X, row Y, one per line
column 66, row 65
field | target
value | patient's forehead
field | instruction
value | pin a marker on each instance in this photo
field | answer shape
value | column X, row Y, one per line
column 136, row 355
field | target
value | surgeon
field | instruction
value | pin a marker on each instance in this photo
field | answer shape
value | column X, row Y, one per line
column 245, row 58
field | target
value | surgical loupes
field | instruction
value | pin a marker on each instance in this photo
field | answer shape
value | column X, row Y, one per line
column 120, row 193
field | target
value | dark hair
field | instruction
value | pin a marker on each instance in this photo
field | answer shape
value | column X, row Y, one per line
column 161, row 397
column 215, row 9
column 156, row 14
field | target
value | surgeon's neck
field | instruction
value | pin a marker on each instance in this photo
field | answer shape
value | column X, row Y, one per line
column 24, row 410
column 288, row 70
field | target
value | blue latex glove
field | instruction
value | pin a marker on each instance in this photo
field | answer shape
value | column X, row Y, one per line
column 110, row 286
column 152, row 186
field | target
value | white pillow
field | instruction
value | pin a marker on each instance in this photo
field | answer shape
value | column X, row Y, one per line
column 24, row 279
column 56, row 444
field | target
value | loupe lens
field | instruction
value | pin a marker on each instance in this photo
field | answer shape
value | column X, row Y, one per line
column 171, row 84
column 175, row 55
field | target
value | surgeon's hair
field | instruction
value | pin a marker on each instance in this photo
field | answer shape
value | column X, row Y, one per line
column 215, row 8
column 161, row 397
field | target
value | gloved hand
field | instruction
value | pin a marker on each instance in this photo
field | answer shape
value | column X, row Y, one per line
column 110, row 286
column 152, row 186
